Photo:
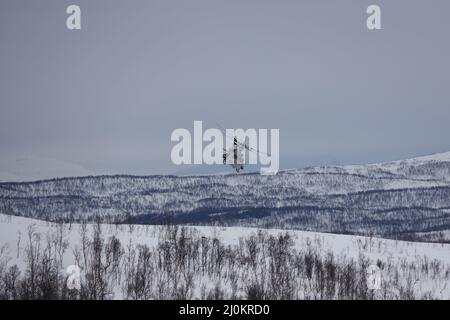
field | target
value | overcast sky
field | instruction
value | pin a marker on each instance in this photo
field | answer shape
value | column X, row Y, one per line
column 108, row 96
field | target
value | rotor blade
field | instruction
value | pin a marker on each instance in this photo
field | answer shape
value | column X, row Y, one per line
column 243, row 144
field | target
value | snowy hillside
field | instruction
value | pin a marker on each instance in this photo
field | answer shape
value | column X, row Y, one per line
column 407, row 199
column 421, row 169
column 409, row 270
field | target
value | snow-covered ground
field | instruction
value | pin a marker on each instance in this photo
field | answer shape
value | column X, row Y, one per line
column 13, row 234
column 350, row 245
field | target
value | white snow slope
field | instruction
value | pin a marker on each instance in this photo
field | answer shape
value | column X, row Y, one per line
column 392, row 252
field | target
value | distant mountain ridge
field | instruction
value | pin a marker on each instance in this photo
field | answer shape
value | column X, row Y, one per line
column 31, row 168
column 407, row 199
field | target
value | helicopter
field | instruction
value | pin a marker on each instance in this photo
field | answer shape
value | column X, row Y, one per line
column 235, row 155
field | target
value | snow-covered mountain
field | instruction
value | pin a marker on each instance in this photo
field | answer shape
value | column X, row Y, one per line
column 407, row 199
